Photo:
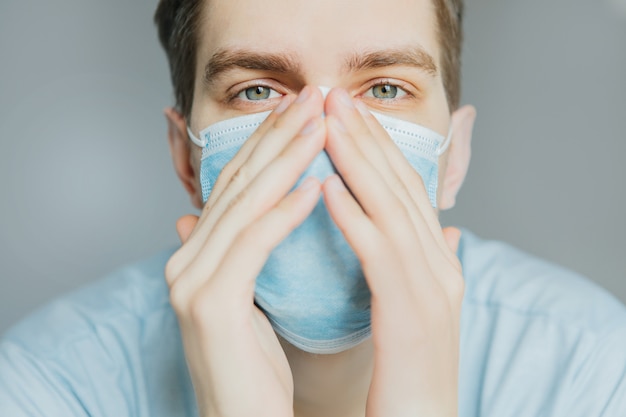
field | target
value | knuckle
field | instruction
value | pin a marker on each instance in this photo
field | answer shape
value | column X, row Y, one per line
column 241, row 199
column 172, row 269
column 440, row 309
column 252, row 237
column 200, row 308
column 282, row 158
column 456, row 287
column 397, row 184
column 363, row 131
column 207, row 207
column 240, row 177
column 280, row 123
column 178, row 299
column 229, row 169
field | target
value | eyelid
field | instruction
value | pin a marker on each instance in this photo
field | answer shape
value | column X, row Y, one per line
column 234, row 92
column 243, row 96
column 401, row 85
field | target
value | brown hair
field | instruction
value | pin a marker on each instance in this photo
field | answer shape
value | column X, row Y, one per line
column 450, row 34
column 178, row 23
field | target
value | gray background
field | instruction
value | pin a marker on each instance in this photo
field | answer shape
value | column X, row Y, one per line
column 86, row 183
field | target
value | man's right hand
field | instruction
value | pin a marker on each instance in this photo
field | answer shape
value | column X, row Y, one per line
column 237, row 365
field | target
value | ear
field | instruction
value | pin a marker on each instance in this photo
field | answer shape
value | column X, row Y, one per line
column 182, row 155
column 459, row 154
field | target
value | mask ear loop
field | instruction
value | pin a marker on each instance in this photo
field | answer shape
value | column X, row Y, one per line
column 201, row 143
column 442, row 148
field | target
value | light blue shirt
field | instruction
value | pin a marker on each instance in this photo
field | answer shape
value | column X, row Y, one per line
column 536, row 340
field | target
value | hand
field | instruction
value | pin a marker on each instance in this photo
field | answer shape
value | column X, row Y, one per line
column 237, row 365
column 410, row 265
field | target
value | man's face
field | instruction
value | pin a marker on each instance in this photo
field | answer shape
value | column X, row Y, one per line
column 383, row 52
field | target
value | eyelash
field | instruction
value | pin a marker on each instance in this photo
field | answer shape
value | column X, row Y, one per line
column 232, row 97
column 400, row 85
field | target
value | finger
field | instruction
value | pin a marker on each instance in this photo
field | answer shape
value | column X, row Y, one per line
column 404, row 171
column 350, row 218
column 455, row 285
column 306, row 107
column 355, row 116
column 265, row 191
column 368, row 243
column 379, row 202
column 340, row 104
column 399, row 163
column 185, row 225
column 234, row 280
column 248, row 147
column 452, row 236
column 296, row 110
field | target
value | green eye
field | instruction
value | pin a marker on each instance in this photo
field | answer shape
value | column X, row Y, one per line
column 258, row 93
column 385, row 91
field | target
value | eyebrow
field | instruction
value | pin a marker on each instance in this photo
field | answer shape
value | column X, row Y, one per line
column 225, row 60
column 415, row 56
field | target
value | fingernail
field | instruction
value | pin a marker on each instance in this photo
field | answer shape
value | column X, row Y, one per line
column 335, row 183
column 304, row 94
column 307, row 184
column 282, row 106
column 345, row 99
column 309, row 128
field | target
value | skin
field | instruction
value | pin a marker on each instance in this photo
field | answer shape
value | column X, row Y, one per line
column 238, row 366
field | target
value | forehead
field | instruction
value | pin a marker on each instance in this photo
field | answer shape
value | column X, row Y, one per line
column 322, row 32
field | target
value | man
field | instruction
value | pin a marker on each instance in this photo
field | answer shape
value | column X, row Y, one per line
column 498, row 333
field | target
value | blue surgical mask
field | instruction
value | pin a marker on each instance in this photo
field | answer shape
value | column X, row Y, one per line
column 312, row 288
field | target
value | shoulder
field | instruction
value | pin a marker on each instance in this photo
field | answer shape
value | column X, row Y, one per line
column 100, row 350
column 500, row 276
column 536, row 338
column 131, row 294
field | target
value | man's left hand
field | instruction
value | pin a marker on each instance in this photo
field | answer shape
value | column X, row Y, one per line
column 409, row 262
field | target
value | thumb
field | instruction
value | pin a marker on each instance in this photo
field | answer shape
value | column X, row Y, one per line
column 185, row 225
column 452, row 236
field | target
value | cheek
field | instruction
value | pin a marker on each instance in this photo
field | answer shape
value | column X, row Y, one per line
column 442, row 117
column 433, row 112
